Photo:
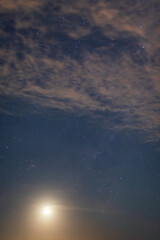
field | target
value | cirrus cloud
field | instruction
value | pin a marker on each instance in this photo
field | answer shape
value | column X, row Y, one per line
column 92, row 57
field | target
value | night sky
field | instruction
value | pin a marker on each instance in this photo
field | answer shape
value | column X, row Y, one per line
column 80, row 119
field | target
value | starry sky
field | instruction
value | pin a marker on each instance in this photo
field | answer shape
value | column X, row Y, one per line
column 80, row 119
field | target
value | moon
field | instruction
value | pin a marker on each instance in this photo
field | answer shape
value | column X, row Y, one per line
column 47, row 210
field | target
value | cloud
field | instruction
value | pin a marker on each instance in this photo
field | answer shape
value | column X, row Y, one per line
column 94, row 58
column 15, row 4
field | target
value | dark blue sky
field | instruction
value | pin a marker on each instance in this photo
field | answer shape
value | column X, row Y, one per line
column 80, row 119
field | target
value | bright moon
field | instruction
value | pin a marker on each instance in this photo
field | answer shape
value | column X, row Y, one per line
column 47, row 211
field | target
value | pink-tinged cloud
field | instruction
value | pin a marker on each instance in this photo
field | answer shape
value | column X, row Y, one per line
column 119, row 75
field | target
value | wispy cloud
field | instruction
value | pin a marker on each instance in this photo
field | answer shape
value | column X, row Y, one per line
column 91, row 57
